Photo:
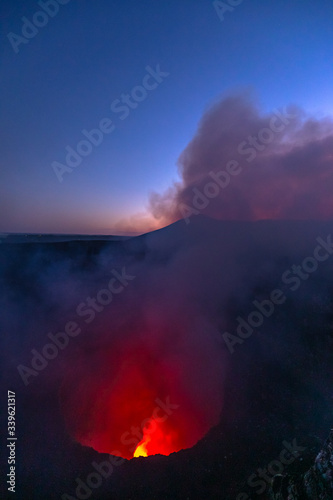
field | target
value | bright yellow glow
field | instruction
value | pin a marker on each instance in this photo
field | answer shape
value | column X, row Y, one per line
column 141, row 449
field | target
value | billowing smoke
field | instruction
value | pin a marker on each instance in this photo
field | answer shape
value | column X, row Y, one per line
column 123, row 341
column 150, row 373
column 243, row 164
column 120, row 336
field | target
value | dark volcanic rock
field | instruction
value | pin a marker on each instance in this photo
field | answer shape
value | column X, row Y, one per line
column 315, row 484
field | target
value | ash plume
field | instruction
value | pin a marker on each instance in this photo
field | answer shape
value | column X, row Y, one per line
column 276, row 165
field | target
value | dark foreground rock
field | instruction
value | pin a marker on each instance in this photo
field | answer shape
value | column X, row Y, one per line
column 315, row 484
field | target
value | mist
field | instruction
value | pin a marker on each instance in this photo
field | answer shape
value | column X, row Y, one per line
column 246, row 164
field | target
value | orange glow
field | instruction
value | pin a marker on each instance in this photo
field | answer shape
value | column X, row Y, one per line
column 141, row 450
column 142, row 405
column 157, row 439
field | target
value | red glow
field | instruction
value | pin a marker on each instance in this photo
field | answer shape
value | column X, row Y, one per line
column 154, row 441
column 140, row 397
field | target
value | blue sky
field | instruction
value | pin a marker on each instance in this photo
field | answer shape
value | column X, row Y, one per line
column 64, row 79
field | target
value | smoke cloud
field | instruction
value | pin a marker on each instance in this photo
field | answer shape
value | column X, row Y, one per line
column 244, row 164
column 151, row 363
column 140, row 361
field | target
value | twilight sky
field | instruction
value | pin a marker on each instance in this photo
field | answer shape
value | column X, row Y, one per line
column 69, row 73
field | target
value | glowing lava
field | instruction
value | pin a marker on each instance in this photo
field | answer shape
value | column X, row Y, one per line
column 157, row 437
column 141, row 450
column 139, row 396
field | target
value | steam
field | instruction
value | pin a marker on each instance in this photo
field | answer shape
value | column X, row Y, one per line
column 150, row 345
column 158, row 346
column 147, row 357
column 276, row 165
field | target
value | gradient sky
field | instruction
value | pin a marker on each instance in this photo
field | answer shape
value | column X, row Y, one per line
column 66, row 77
